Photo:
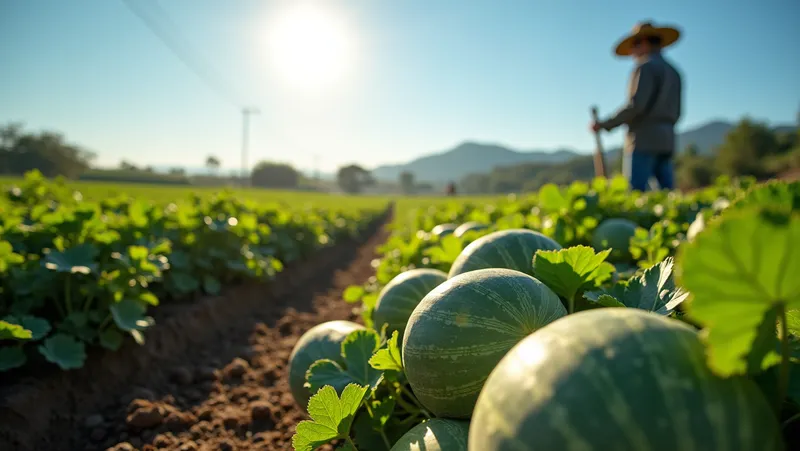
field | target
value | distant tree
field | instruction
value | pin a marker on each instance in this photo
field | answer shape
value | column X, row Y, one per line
column 691, row 150
column 177, row 171
column 149, row 169
column 353, row 178
column 745, row 147
column 213, row 164
column 46, row 151
column 274, row 175
column 128, row 166
column 407, row 182
column 423, row 187
column 476, row 184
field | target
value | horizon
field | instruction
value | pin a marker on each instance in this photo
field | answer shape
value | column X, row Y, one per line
column 398, row 82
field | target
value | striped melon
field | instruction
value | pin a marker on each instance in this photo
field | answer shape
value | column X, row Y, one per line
column 462, row 328
column 511, row 248
column 617, row 379
column 468, row 227
column 438, row 434
column 398, row 298
column 323, row 341
column 614, row 234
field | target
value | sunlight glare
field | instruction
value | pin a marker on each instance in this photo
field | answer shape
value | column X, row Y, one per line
column 310, row 47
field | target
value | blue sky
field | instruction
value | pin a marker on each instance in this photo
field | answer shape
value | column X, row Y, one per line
column 422, row 75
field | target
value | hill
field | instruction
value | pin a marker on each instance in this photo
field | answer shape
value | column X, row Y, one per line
column 471, row 157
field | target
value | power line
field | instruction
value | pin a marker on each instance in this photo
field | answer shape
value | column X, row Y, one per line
column 181, row 50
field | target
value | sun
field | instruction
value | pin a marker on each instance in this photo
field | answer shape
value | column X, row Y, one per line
column 310, row 46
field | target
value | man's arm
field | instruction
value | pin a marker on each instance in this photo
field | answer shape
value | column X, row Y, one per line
column 640, row 88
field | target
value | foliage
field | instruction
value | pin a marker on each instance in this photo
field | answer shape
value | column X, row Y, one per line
column 46, row 151
column 353, row 178
column 275, row 175
column 407, row 182
column 732, row 278
column 76, row 273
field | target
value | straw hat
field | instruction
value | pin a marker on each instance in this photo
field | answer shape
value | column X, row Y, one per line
column 668, row 37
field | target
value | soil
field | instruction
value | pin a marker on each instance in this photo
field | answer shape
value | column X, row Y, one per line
column 212, row 377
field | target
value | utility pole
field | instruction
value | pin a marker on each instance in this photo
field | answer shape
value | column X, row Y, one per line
column 246, row 112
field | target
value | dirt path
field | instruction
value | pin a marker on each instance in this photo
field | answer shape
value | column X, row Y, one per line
column 213, row 378
column 232, row 395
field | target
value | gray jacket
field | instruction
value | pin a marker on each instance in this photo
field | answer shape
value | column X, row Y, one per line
column 652, row 109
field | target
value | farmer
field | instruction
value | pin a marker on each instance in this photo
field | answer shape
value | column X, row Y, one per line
column 652, row 108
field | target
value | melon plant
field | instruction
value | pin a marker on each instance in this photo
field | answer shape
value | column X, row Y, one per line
column 443, row 229
column 463, row 327
column 468, row 227
column 437, row 434
column 511, row 249
column 618, row 379
column 401, row 295
column 323, row 341
column 614, row 234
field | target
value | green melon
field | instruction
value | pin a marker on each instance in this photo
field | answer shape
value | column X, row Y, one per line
column 614, row 234
column 323, row 341
column 468, row 227
column 617, row 379
column 443, row 229
column 401, row 295
column 438, row 434
column 511, row 249
column 462, row 328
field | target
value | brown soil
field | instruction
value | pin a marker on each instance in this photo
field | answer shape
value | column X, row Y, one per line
column 211, row 377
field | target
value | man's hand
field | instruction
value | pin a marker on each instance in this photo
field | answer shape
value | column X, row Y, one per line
column 595, row 126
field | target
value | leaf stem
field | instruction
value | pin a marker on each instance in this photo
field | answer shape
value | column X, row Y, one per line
column 350, row 442
column 383, row 434
column 783, row 375
column 415, row 401
column 67, row 295
column 790, row 420
column 88, row 303
column 105, row 322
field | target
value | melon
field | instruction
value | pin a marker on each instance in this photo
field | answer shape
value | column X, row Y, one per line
column 443, row 229
column 511, row 249
column 463, row 327
column 401, row 295
column 468, row 227
column 323, row 341
column 617, row 379
column 438, row 434
column 614, row 234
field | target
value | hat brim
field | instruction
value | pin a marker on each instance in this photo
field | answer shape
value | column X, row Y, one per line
column 668, row 37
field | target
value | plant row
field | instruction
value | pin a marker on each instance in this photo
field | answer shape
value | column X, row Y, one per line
column 76, row 274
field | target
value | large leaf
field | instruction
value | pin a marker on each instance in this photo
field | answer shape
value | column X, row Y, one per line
column 331, row 417
column 129, row 315
column 11, row 357
column 742, row 271
column 9, row 331
column 63, row 350
column 357, row 349
column 654, row 291
column 77, row 259
column 568, row 271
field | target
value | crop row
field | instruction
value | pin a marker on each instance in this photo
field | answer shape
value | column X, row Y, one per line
column 76, row 273
column 585, row 317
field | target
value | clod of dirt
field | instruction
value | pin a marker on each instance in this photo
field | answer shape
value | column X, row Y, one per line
column 162, row 440
column 179, row 421
column 261, row 411
column 145, row 415
column 92, row 421
column 182, row 376
column 226, row 445
column 236, row 368
column 124, row 446
column 189, row 446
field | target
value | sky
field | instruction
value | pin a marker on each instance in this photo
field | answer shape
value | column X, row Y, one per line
column 367, row 81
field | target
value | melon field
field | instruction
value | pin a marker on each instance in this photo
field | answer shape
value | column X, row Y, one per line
column 584, row 317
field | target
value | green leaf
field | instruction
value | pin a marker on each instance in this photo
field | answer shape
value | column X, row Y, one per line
column 10, row 331
column 654, row 291
column 64, row 351
column 353, row 293
column 447, row 251
column 211, row 285
column 388, row 358
column 550, row 198
column 357, row 349
column 741, row 269
column 111, row 338
column 12, row 357
column 8, row 257
column 331, row 417
column 568, row 271
column 381, row 412
column 148, row 298
column 75, row 260
column 129, row 315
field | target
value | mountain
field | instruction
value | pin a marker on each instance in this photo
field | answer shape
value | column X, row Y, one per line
column 471, row 157
column 467, row 158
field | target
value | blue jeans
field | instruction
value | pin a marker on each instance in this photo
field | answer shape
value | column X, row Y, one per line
column 639, row 167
